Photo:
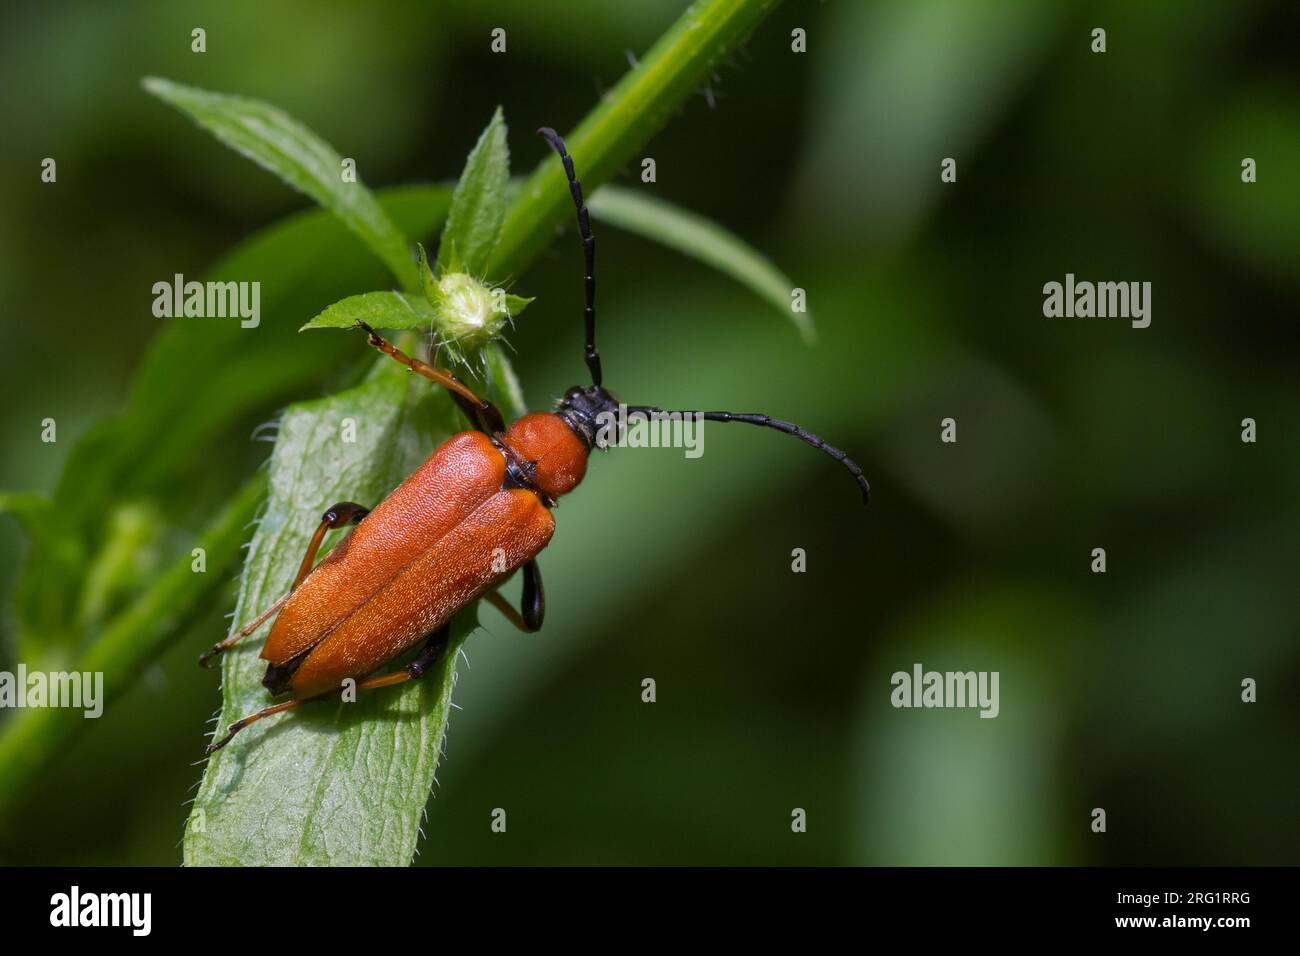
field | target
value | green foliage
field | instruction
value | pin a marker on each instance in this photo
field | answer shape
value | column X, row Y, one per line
column 650, row 218
column 383, row 310
column 128, row 641
column 463, row 312
column 695, row 236
column 478, row 206
column 637, row 108
column 401, row 310
column 342, row 784
column 924, row 293
column 315, row 462
column 195, row 382
column 279, row 143
column 357, row 784
column 332, row 782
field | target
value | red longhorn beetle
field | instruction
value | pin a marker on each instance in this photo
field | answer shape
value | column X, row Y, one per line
column 428, row 549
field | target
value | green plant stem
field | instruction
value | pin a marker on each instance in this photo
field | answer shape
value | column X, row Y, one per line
column 131, row 639
column 637, row 108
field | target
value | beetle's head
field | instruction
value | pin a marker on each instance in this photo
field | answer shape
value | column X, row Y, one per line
column 583, row 409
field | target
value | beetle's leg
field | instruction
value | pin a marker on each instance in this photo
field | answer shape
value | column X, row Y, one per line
column 243, row 722
column 434, row 646
column 533, row 601
column 472, row 412
column 490, row 414
column 534, row 596
column 336, row 516
column 233, row 639
column 507, row 611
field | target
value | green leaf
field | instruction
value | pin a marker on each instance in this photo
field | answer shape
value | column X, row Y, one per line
column 428, row 280
column 276, row 141
column 399, row 310
column 693, row 235
column 196, row 383
column 515, row 303
column 383, row 310
column 328, row 783
column 478, row 206
column 338, row 809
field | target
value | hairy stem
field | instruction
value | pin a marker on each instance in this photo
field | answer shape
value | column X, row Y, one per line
column 628, row 116
column 131, row 640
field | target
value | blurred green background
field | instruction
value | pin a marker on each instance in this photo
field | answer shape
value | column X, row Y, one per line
column 1118, row 690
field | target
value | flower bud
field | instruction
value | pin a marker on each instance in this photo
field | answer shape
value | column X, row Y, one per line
column 469, row 314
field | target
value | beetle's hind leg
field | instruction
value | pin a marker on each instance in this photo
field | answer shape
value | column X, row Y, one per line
column 229, row 642
column 243, row 722
column 418, row 667
column 336, row 516
column 533, row 601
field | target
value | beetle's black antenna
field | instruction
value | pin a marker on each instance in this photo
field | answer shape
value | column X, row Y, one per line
column 588, row 249
column 766, row 421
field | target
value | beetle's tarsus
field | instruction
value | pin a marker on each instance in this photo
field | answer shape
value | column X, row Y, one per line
column 214, row 747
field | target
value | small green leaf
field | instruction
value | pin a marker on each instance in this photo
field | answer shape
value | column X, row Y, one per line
column 478, row 206
column 383, row 310
column 693, row 235
column 276, row 141
column 331, row 782
column 515, row 303
column 428, row 280
column 465, row 313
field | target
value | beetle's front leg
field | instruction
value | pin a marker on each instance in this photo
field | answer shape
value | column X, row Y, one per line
column 533, row 602
column 336, row 516
column 485, row 416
